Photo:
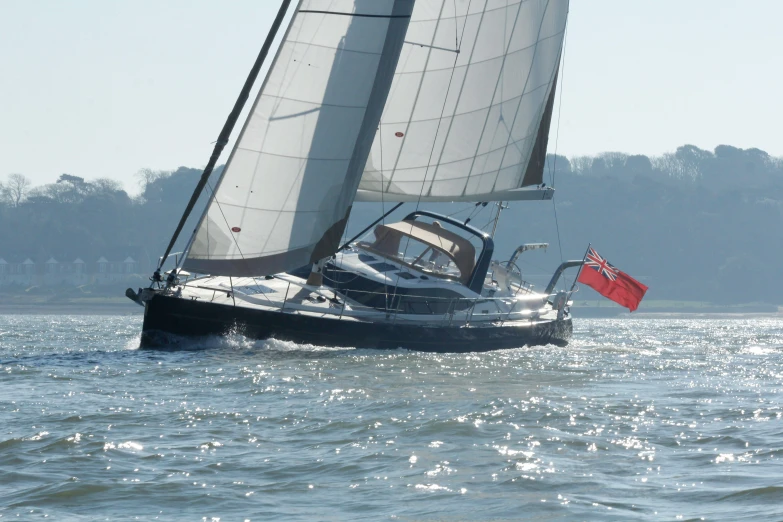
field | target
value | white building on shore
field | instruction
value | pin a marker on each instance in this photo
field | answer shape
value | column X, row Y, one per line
column 49, row 271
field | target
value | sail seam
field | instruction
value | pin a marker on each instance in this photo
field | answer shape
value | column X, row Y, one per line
column 468, row 15
column 431, row 47
column 531, row 41
column 357, row 15
column 277, row 97
column 543, row 107
column 497, row 84
column 443, row 163
column 222, row 140
column 392, row 48
column 407, row 127
column 277, row 102
column 414, row 121
column 457, row 178
column 416, row 98
column 479, row 62
column 473, row 111
column 459, row 98
column 243, row 212
column 297, row 211
column 424, row 120
column 251, row 256
column 443, row 109
column 517, row 194
column 320, row 46
column 308, row 158
column 214, row 191
column 391, row 21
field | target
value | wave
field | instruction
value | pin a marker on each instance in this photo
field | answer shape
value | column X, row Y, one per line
column 772, row 493
column 235, row 341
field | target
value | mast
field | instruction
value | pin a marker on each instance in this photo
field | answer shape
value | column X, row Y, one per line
column 497, row 218
column 225, row 134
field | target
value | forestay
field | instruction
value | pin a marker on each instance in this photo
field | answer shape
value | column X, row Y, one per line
column 468, row 114
column 287, row 189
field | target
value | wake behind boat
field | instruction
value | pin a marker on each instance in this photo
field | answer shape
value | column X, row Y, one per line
column 389, row 101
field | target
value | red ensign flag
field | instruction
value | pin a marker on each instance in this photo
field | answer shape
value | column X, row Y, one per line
column 610, row 282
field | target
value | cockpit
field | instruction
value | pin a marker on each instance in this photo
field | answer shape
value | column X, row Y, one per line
column 431, row 248
column 426, row 247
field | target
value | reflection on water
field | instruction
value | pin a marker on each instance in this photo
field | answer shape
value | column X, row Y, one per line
column 635, row 420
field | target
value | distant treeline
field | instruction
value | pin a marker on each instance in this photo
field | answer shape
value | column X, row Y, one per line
column 694, row 224
column 697, row 224
column 87, row 219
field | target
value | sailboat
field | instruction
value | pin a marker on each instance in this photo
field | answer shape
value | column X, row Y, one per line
column 385, row 101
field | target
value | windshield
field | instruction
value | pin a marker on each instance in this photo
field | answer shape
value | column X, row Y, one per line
column 411, row 251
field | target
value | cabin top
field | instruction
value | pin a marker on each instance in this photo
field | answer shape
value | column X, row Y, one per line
column 435, row 239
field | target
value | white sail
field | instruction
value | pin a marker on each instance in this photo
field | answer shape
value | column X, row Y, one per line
column 287, row 189
column 468, row 115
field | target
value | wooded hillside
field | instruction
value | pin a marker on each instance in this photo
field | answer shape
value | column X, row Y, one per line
column 695, row 224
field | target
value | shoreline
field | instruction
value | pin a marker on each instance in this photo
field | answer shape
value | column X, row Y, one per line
column 705, row 315
column 71, row 309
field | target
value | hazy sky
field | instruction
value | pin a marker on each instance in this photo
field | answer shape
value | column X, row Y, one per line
column 103, row 88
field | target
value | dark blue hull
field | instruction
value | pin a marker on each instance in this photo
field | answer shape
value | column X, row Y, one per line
column 165, row 316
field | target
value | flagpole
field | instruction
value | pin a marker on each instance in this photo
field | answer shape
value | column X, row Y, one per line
column 581, row 266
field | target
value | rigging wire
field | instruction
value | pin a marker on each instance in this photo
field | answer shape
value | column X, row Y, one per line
column 460, row 211
column 217, row 203
column 212, row 191
column 383, row 221
column 222, row 141
column 225, row 133
column 459, row 39
column 476, row 212
column 553, row 169
column 487, row 224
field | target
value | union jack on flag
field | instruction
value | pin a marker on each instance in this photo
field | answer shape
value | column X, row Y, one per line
column 610, row 282
column 601, row 265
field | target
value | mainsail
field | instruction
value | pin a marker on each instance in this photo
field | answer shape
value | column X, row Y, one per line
column 468, row 114
column 287, row 189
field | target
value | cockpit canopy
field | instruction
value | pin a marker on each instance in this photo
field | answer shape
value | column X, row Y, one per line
column 425, row 246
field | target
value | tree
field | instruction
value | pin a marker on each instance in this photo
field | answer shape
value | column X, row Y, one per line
column 61, row 193
column 67, row 178
column 757, row 160
column 15, row 190
column 146, row 177
column 693, row 161
column 727, row 152
column 106, row 185
column 693, row 154
column 615, row 161
column 638, row 164
column 581, row 164
column 599, row 167
column 676, row 168
column 556, row 164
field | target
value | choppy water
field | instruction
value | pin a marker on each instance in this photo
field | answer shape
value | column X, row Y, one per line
column 638, row 419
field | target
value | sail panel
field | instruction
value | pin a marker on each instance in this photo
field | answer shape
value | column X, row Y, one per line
column 522, row 194
column 468, row 102
column 287, row 189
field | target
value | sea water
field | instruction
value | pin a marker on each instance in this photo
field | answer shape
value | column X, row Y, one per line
column 637, row 419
